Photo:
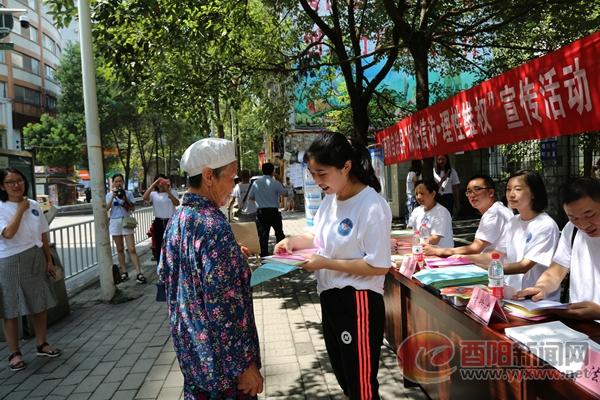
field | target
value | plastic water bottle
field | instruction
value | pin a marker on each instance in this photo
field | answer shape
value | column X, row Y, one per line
column 496, row 277
column 424, row 233
column 417, row 247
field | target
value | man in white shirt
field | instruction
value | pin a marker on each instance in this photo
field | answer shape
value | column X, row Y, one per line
column 481, row 193
column 578, row 252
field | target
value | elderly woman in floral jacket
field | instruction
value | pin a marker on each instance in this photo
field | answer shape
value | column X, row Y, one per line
column 207, row 282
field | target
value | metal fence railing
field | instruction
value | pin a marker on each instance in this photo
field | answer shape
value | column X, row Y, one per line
column 76, row 244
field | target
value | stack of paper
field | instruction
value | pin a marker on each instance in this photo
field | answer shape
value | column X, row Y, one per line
column 446, row 262
column 452, row 276
column 532, row 310
column 553, row 342
column 297, row 257
column 459, row 295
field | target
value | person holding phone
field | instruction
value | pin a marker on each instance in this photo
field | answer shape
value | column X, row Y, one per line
column 26, row 266
column 164, row 200
column 120, row 204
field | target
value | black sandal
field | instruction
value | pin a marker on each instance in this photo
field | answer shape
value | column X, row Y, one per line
column 18, row 365
column 140, row 278
column 124, row 276
column 48, row 353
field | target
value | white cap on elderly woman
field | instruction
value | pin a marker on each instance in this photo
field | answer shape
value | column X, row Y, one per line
column 210, row 152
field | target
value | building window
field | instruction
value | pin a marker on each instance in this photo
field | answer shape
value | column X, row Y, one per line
column 17, row 60
column 49, row 44
column 27, row 96
column 49, row 73
column 35, row 66
column 26, row 63
column 2, row 89
column 16, row 26
column 51, row 103
column 33, row 34
column 2, row 57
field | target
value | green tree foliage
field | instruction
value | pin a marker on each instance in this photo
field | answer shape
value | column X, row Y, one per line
column 204, row 63
column 53, row 143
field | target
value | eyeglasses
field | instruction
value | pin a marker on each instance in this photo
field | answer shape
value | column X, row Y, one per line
column 14, row 183
column 475, row 190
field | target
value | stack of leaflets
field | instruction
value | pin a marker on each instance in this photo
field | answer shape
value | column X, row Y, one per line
column 297, row 257
column 280, row 264
column 401, row 245
column 532, row 310
column 462, row 275
column 546, row 339
column 459, row 295
column 435, row 262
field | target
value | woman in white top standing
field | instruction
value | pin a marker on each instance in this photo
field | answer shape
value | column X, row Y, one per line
column 448, row 182
column 432, row 214
column 120, row 204
column 414, row 175
column 351, row 233
column 531, row 236
column 25, row 266
column 246, row 207
column 164, row 200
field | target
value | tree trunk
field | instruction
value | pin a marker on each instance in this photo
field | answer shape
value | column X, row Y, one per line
column 360, row 120
column 218, row 121
column 421, row 64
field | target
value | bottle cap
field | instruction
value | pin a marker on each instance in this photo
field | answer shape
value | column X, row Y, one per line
column 495, row 256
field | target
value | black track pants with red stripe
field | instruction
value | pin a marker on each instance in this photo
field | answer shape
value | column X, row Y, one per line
column 353, row 322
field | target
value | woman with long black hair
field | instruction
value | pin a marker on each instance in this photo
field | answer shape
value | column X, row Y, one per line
column 351, row 232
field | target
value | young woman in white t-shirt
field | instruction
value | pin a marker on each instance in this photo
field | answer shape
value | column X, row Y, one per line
column 351, row 233
column 26, row 266
column 433, row 214
column 448, row 183
column 530, row 237
column 164, row 200
column 120, row 204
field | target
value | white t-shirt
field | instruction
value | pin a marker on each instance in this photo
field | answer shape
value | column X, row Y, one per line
column 29, row 234
column 492, row 226
column 117, row 210
column 447, row 185
column 239, row 192
column 534, row 240
column 356, row 228
column 583, row 260
column 162, row 205
column 410, row 184
column 439, row 221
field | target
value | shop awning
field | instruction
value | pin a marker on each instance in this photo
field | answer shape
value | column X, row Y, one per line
column 557, row 94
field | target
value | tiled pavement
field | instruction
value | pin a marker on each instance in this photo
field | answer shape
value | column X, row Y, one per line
column 123, row 351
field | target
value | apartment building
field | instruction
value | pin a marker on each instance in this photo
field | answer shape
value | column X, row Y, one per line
column 28, row 86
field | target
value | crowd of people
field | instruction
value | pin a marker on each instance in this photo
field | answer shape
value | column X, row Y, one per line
column 207, row 277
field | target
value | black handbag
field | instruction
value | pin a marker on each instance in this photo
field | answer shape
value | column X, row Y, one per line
column 161, row 292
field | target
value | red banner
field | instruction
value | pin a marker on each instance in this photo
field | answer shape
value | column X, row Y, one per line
column 550, row 96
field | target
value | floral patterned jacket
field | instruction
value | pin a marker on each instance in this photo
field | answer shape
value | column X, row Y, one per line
column 207, row 282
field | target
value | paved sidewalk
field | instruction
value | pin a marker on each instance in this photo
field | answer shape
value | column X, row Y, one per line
column 123, row 351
